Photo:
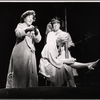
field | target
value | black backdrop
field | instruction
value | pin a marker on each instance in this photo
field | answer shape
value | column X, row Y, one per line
column 83, row 24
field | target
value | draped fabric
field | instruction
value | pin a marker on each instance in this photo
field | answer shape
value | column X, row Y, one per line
column 22, row 71
column 52, row 37
column 51, row 63
column 52, row 67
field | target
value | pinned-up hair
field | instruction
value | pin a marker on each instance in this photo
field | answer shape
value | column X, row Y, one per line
column 55, row 20
column 27, row 13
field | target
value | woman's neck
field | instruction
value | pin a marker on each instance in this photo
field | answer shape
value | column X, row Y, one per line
column 27, row 25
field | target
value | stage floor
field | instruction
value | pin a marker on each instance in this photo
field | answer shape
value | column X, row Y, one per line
column 47, row 92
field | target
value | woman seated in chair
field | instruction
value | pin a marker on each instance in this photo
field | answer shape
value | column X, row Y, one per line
column 53, row 65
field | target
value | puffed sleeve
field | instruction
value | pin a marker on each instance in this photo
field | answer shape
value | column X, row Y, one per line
column 19, row 31
column 51, row 38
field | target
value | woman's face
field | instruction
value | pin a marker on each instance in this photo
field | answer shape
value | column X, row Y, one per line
column 29, row 20
column 56, row 26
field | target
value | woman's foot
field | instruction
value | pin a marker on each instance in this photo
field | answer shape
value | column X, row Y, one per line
column 92, row 64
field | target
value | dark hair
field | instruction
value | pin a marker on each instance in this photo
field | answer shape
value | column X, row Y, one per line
column 27, row 13
column 58, row 20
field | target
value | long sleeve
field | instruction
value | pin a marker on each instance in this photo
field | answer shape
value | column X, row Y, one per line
column 54, row 61
column 37, row 38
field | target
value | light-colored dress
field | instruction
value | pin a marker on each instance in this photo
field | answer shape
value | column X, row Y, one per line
column 22, row 70
column 51, row 65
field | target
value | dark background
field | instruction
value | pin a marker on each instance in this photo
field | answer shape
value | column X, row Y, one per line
column 83, row 24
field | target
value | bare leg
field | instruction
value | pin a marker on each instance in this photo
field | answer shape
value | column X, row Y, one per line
column 89, row 65
column 71, row 81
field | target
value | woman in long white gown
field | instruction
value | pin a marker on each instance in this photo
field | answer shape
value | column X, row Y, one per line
column 22, row 70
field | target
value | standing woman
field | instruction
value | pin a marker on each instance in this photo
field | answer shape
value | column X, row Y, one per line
column 22, row 68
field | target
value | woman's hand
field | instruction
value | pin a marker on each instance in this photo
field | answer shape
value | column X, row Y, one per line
column 36, row 31
column 31, row 28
